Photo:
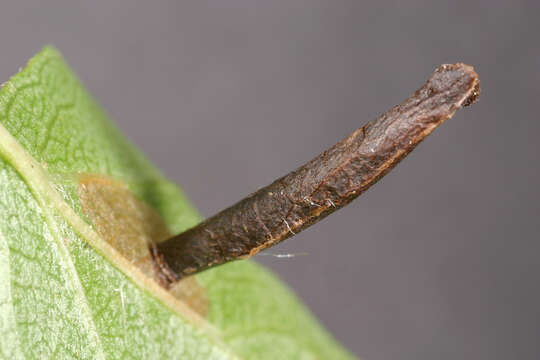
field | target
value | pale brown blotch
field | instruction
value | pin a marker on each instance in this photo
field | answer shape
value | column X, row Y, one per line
column 130, row 225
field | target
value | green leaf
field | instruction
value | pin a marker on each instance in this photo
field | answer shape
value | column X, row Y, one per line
column 77, row 205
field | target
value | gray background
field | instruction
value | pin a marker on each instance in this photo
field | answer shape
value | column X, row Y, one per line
column 441, row 258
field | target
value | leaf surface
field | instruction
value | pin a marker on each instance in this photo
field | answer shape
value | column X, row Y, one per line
column 77, row 205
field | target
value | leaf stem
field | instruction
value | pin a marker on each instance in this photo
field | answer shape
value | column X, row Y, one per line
column 321, row 186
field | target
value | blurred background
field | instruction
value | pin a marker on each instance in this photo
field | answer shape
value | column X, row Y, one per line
column 438, row 260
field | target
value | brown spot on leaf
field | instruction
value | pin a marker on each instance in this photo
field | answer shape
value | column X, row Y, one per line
column 192, row 293
column 130, row 226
